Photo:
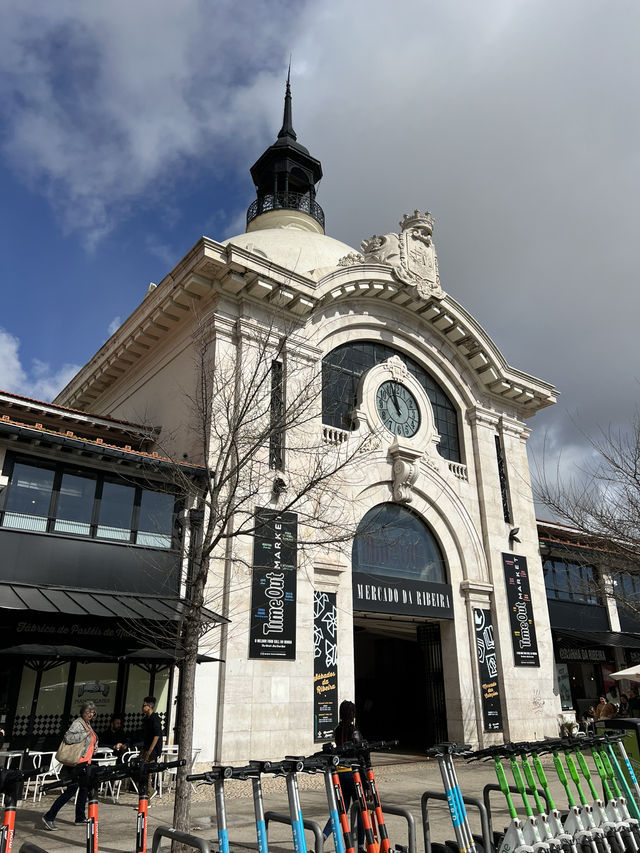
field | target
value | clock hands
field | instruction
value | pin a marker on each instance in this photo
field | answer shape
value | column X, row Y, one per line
column 395, row 399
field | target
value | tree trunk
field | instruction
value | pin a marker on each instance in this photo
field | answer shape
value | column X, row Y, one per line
column 182, row 804
column 191, row 629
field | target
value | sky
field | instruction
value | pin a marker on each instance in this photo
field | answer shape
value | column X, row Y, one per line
column 128, row 128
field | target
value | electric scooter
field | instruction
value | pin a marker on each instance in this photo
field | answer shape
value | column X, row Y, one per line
column 11, row 782
column 90, row 776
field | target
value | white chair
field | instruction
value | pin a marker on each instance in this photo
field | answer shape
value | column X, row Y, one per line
column 169, row 753
column 126, row 758
column 33, row 761
column 173, row 771
column 50, row 773
column 106, row 761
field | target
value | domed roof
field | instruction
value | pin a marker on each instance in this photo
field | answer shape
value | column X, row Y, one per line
column 301, row 251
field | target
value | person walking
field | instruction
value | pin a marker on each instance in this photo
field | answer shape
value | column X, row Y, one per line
column 79, row 731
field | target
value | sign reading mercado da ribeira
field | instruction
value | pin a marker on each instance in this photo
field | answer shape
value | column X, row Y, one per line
column 272, row 632
column 523, row 627
column 397, row 567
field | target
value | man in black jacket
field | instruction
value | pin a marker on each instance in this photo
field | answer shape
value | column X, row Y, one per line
column 151, row 731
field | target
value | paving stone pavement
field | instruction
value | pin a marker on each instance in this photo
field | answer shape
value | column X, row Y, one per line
column 402, row 780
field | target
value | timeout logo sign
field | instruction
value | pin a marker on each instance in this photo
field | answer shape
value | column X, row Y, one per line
column 523, row 628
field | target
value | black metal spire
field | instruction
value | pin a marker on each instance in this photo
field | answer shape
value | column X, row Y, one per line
column 286, row 174
column 287, row 121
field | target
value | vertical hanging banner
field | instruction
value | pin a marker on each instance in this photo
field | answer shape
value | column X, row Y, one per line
column 488, row 665
column 523, row 629
column 325, row 665
column 272, row 631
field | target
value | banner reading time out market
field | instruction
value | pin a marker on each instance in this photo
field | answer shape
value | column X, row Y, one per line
column 523, row 627
column 272, row 631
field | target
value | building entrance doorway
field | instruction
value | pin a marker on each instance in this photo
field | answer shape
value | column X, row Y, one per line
column 399, row 682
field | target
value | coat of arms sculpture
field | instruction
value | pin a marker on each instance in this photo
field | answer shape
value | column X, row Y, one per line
column 410, row 254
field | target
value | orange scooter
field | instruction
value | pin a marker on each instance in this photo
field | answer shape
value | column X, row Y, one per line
column 11, row 786
column 91, row 777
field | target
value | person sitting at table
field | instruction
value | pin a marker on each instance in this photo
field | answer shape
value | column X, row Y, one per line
column 115, row 736
column 625, row 709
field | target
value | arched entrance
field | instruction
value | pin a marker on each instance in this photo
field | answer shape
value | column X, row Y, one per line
column 400, row 594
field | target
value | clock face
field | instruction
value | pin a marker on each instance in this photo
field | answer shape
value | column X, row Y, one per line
column 398, row 409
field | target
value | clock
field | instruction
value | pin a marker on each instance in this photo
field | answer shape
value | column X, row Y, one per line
column 398, row 408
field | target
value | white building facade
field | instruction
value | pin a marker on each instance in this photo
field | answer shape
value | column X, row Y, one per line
column 432, row 614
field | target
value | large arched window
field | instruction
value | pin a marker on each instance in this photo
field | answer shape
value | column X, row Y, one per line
column 341, row 372
column 393, row 542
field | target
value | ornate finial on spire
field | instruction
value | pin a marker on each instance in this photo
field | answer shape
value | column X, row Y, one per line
column 287, row 121
column 285, row 177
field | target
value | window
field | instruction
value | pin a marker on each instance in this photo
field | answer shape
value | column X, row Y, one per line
column 116, row 511
column 568, row 581
column 29, row 497
column 393, row 542
column 155, row 521
column 276, row 456
column 341, row 372
column 63, row 499
column 628, row 588
column 502, row 476
column 75, row 505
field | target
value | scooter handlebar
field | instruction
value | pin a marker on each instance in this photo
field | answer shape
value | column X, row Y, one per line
column 289, row 765
column 261, row 766
column 358, row 747
column 313, row 763
column 9, row 778
column 448, row 748
column 216, row 774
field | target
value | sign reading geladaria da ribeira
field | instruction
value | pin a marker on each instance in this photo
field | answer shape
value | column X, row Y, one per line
column 523, row 628
column 272, row 632
column 488, row 666
column 325, row 665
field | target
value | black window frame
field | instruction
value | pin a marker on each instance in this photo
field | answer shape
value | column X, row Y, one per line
column 345, row 364
column 379, row 522
column 559, row 581
column 276, row 415
column 99, row 477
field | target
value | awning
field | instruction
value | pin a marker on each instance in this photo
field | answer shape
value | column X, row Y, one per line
column 151, row 654
column 41, row 650
column 582, row 639
column 97, row 603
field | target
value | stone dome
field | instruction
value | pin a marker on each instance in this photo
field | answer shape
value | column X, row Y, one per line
column 297, row 249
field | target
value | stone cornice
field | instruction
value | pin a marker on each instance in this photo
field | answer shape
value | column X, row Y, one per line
column 211, row 269
column 476, row 589
column 483, row 417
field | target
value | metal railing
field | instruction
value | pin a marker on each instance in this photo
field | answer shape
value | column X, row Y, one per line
column 285, row 201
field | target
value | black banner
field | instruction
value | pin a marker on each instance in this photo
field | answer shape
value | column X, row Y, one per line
column 523, row 629
column 486, row 649
column 272, row 632
column 378, row 594
column 325, row 665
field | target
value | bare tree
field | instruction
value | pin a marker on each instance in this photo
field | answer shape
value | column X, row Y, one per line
column 256, row 432
column 601, row 503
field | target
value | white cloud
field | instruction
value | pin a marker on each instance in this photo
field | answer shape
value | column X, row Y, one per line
column 107, row 101
column 514, row 123
column 39, row 381
column 12, row 375
column 114, row 325
column 162, row 251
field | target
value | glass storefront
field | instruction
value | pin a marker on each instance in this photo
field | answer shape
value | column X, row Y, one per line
column 51, row 693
